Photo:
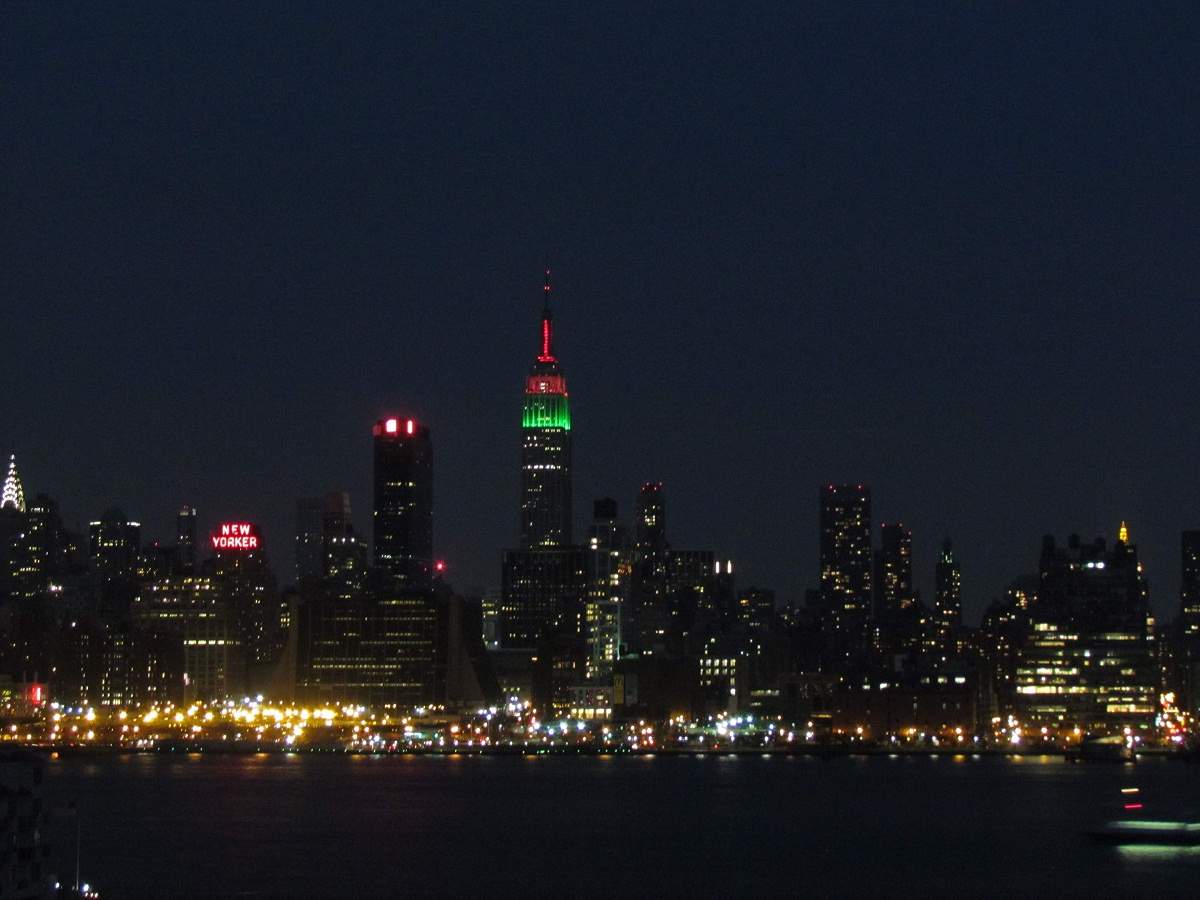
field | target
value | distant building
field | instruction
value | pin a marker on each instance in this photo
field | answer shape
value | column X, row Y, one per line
column 756, row 609
column 546, row 510
column 379, row 648
column 1189, row 592
column 310, row 539
column 845, row 567
column 608, row 574
column 403, row 513
column 947, row 601
column 542, row 593
column 193, row 609
column 893, row 569
column 114, row 545
column 544, row 584
column 393, row 645
column 185, row 540
column 247, row 585
column 1088, row 658
column 649, row 613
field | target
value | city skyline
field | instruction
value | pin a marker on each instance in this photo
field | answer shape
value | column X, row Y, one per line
column 908, row 262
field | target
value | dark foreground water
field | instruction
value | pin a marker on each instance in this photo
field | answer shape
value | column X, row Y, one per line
column 324, row 826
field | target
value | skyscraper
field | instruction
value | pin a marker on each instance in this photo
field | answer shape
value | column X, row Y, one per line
column 1189, row 592
column 608, row 583
column 649, row 613
column 546, row 446
column 544, row 583
column 1088, row 655
column 403, row 515
column 310, row 513
column 185, row 540
column 113, row 545
column 13, row 494
column 893, row 570
column 947, row 599
column 845, row 558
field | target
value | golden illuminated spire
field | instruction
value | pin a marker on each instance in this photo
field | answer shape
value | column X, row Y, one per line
column 1123, row 533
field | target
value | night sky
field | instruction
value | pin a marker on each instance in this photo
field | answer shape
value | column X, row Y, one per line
column 953, row 256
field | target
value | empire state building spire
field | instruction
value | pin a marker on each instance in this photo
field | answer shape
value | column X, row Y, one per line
column 547, row 354
column 13, row 494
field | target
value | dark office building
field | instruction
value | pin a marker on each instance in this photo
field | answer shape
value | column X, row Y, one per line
column 392, row 645
column 114, row 545
column 243, row 577
column 649, row 612
column 343, row 553
column 39, row 553
column 756, row 609
column 403, row 515
column 310, row 552
column 185, row 540
column 1189, row 593
column 947, row 601
column 378, row 648
column 893, row 569
column 845, row 565
column 546, row 447
column 542, row 593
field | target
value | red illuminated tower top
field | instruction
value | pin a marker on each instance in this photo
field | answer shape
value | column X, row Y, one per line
column 547, row 354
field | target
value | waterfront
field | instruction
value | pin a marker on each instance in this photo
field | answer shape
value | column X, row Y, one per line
column 311, row 825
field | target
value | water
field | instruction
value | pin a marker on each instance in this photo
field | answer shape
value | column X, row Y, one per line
column 337, row 826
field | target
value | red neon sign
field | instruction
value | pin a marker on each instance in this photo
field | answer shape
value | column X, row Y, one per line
column 235, row 536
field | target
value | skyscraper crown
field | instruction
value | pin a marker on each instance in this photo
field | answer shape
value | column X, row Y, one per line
column 13, row 494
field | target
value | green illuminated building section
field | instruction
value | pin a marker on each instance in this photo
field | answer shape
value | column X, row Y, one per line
column 546, row 411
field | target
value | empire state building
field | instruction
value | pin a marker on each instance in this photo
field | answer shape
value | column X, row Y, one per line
column 546, row 447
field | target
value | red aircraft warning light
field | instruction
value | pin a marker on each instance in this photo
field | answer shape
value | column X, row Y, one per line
column 394, row 426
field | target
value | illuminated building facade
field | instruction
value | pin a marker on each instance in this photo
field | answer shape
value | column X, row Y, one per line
column 1088, row 655
column 845, row 567
column 608, row 573
column 193, row 610
column 546, row 447
column 403, row 513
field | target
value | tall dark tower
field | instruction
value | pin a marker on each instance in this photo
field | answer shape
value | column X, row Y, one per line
column 846, row 567
column 649, row 613
column 893, row 569
column 403, row 516
column 546, row 446
column 1189, row 590
column 185, row 540
column 947, row 599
